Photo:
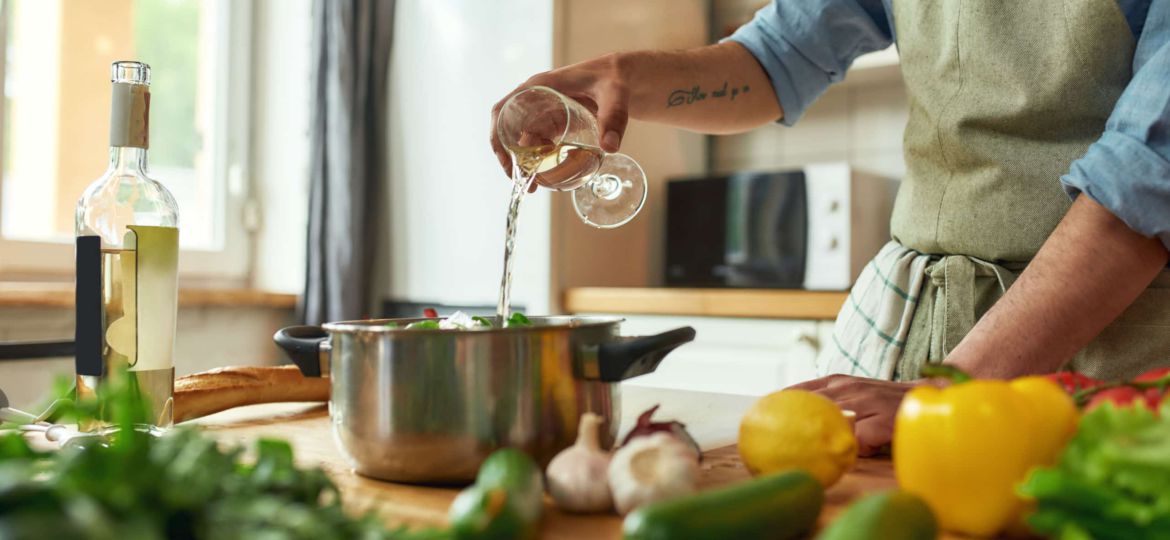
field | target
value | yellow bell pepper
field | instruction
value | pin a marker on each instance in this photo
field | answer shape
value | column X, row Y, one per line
column 964, row 448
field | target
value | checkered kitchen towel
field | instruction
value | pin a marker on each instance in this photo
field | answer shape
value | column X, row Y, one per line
column 870, row 334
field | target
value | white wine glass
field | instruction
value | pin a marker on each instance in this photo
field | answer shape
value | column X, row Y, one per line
column 554, row 141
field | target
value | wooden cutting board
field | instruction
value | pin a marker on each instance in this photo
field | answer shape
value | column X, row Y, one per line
column 307, row 428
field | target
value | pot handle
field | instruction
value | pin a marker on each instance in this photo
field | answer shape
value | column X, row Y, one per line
column 628, row 357
column 303, row 345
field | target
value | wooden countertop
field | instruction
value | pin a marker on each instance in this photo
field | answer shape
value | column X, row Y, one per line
column 402, row 504
column 60, row 295
column 759, row 303
column 307, row 427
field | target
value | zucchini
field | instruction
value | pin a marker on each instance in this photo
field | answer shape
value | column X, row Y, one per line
column 777, row 506
column 891, row 515
column 505, row 502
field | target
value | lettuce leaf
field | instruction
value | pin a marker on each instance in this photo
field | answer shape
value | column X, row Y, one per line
column 1112, row 481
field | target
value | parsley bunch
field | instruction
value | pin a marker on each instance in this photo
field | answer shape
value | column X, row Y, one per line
column 183, row 485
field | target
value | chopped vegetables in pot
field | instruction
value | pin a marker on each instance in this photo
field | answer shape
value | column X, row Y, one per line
column 423, row 325
column 462, row 321
column 457, row 321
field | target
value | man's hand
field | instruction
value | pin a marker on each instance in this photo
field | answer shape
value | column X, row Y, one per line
column 874, row 401
column 598, row 84
column 714, row 89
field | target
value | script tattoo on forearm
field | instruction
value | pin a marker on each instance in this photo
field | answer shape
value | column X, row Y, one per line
column 683, row 96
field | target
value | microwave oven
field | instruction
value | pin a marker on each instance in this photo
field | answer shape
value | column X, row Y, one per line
column 814, row 228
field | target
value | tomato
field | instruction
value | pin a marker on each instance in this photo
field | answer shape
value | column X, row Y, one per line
column 1156, row 395
column 1153, row 374
column 1122, row 396
column 1072, row 381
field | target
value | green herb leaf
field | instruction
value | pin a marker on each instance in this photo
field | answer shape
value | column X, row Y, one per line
column 180, row 485
column 518, row 319
column 483, row 321
column 423, row 325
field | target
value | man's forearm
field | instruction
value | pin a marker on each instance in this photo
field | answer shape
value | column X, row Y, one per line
column 714, row 89
column 1090, row 269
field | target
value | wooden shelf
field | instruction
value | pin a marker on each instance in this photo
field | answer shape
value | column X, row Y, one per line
column 758, row 303
column 60, row 295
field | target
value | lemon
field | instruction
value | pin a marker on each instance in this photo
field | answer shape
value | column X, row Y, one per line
column 797, row 429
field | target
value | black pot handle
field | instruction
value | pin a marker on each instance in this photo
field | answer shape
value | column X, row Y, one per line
column 302, row 344
column 629, row 357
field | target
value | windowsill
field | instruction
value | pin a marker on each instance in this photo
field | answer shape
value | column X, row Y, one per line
column 60, row 295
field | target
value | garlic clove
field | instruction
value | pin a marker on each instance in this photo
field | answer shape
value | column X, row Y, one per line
column 577, row 477
column 650, row 469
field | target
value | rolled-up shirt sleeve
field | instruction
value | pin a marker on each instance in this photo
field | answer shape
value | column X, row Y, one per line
column 1127, row 170
column 806, row 45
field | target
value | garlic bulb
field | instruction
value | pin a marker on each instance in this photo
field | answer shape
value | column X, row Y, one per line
column 650, row 469
column 577, row 476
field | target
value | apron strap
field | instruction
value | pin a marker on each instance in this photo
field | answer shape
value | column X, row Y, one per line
column 955, row 300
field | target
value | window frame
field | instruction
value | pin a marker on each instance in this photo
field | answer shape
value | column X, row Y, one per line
column 230, row 265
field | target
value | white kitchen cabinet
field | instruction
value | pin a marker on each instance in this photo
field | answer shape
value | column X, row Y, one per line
column 733, row 355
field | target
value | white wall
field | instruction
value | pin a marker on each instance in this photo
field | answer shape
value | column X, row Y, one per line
column 858, row 123
column 280, row 140
column 448, row 196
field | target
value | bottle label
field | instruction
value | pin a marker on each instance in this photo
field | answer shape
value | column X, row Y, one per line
column 137, row 301
column 130, row 115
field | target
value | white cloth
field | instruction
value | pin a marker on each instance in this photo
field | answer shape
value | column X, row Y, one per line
column 870, row 333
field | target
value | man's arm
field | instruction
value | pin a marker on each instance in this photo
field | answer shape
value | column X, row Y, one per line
column 713, row 89
column 717, row 89
column 771, row 68
column 1090, row 269
column 1107, row 248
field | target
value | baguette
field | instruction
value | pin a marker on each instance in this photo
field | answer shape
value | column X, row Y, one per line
column 201, row 394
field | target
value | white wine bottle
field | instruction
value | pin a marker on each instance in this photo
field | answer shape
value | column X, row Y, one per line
column 127, row 260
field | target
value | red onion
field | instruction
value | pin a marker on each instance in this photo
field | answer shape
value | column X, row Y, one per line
column 645, row 426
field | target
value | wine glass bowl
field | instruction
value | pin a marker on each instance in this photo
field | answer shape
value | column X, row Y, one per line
column 555, row 141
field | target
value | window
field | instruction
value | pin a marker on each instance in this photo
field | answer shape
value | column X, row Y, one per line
column 56, row 121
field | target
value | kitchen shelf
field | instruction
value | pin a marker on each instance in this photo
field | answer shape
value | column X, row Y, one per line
column 756, row 303
column 60, row 295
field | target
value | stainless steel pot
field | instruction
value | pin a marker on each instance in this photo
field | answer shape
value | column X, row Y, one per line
column 428, row 406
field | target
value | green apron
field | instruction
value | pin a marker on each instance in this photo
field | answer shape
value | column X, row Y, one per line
column 1004, row 95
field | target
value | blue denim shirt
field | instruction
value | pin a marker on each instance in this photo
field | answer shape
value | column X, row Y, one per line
column 806, row 45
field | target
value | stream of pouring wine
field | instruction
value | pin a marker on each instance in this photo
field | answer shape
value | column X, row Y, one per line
column 520, row 185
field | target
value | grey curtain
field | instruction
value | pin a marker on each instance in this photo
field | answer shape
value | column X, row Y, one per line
column 351, row 44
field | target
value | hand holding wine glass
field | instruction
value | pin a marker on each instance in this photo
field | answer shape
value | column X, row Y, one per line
column 598, row 84
column 554, row 141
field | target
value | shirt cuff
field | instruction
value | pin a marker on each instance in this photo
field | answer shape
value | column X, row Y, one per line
column 784, row 64
column 1128, row 178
